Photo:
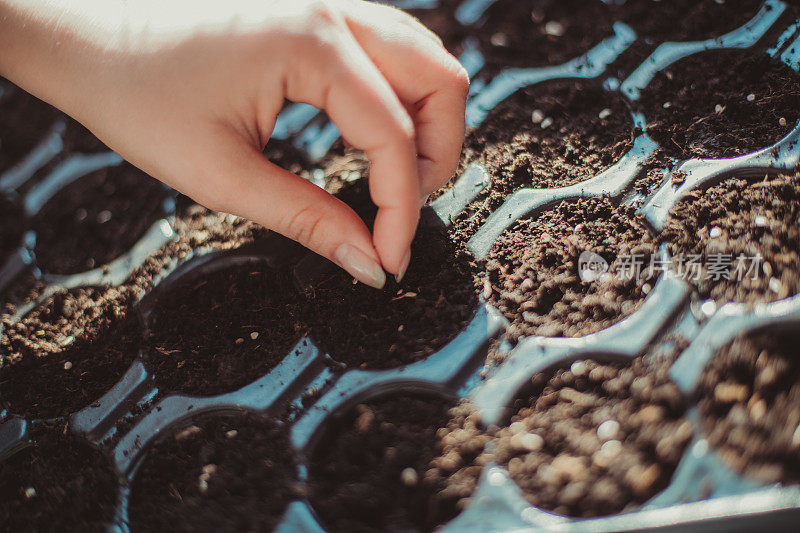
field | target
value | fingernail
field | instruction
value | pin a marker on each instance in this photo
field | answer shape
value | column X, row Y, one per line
column 360, row 265
column 403, row 267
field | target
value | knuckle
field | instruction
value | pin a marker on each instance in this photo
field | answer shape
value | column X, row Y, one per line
column 319, row 13
column 304, row 226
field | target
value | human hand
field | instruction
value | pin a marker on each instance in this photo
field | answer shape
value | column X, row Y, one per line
column 189, row 92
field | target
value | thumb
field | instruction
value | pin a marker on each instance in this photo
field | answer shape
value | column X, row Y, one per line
column 238, row 179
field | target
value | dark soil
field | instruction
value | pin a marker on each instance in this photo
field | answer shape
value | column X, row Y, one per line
column 216, row 333
column 519, row 153
column 708, row 110
column 223, row 473
column 60, row 483
column 531, row 274
column 372, row 472
column 24, row 122
column 685, row 20
column 74, row 346
column 443, row 23
column 739, row 218
column 96, row 219
column 595, row 439
column 403, row 323
column 12, row 226
column 750, row 405
column 536, row 33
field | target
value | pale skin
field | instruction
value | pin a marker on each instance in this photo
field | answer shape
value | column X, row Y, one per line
column 189, row 90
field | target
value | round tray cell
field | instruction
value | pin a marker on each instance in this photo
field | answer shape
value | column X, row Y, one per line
column 596, row 438
column 738, row 241
column 749, row 403
column 24, row 122
column 372, row 469
column 96, row 219
column 59, row 479
column 685, row 20
column 538, row 33
column 67, row 352
column 545, row 136
column 215, row 332
column 405, row 322
column 12, row 226
column 231, row 472
column 538, row 272
column 721, row 104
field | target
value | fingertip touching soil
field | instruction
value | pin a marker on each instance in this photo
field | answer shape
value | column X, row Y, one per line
column 721, row 104
column 685, row 20
column 545, row 136
column 537, row 33
column 596, row 438
column 404, row 322
column 221, row 473
column 60, row 482
column 74, row 347
column 96, row 219
column 738, row 241
column 749, row 402
column 12, row 226
column 532, row 272
column 371, row 471
column 216, row 332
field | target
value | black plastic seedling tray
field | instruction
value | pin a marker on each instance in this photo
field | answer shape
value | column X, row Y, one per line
column 704, row 493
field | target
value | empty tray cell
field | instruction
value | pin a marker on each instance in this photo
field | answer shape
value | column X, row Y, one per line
column 96, row 219
column 738, row 241
column 404, row 322
column 749, row 401
column 214, row 332
column 722, row 103
column 545, row 136
column 12, row 225
column 68, row 351
column 538, row 33
column 571, row 271
column 231, row 472
column 685, row 20
column 595, row 438
column 59, row 482
column 371, row 470
column 25, row 121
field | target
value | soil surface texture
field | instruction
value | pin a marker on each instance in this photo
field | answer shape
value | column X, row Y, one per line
column 596, row 438
column 214, row 333
column 96, row 219
column 403, row 323
column 721, row 104
column 60, row 482
column 739, row 240
column 222, row 473
column 532, row 273
column 371, row 472
column 750, row 405
column 74, row 346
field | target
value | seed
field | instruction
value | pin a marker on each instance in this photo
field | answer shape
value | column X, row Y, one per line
column 409, row 477
column 751, row 97
column 608, row 430
column 400, row 328
column 499, row 39
column 782, row 121
column 254, row 335
column 604, row 114
column 715, row 232
column 554, row 28
column 239, row 340
column 103, row 216
column 67, row 365
column 537, row 116
column 487, row 289
column 719, row 108
column 667, row 105
column 210, row 469
column 546, row 123
column 66, row 341
column 231, row 434
column 578, row 368
column 188, row 432
column 30, row 492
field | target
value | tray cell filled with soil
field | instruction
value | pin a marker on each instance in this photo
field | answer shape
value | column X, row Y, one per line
column 371, row 470
column 685, row 20
column 538, row 33
column 96, row 219
column 545, row 136
column 233, row 472
column 738, row 241
column 406, row 321
column 59, row 482
column 68, row 351
column 749, row 403
column 721, row 104
column 532, row 273
column 215, row 331
column 12, row 226
column 595, row 438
